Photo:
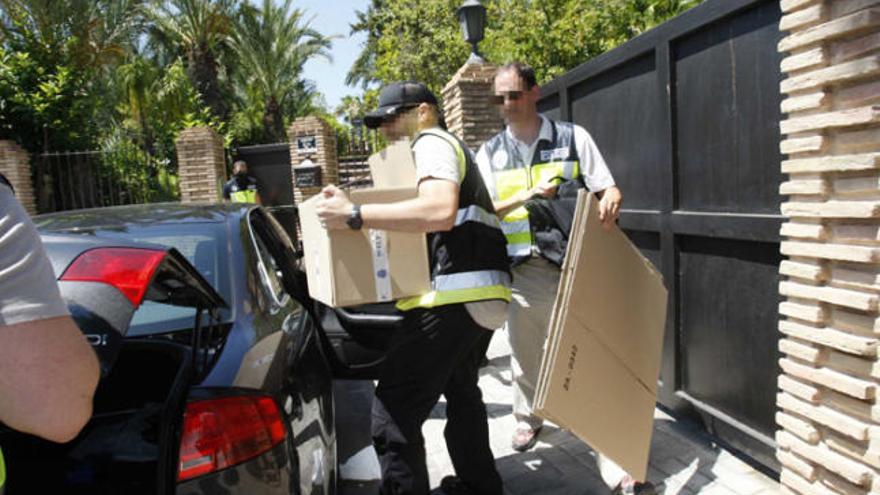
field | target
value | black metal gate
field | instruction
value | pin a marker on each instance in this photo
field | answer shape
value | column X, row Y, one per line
column 90, row 179
column 687, row 117
column 270, row 165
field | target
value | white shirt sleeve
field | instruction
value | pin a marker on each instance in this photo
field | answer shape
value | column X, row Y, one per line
column 485, row 166
column 28, row 290
column 435, row 159
column 596, row 175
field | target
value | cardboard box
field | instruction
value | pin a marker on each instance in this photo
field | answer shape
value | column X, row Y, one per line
column 602, row 359
column 350, row 267
column 394, row 166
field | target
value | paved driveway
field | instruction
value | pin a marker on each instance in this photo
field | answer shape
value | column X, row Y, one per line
column 683, row 460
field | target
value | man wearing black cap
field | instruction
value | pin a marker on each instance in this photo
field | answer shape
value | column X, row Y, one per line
column 445, row 332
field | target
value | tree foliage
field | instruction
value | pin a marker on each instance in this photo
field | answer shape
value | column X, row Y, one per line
column 78, row 74
column 421, row 40
column 272, row 44
column 200, row 31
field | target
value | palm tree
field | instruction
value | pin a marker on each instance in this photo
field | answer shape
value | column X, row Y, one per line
column 272, row 44
column 199, row 31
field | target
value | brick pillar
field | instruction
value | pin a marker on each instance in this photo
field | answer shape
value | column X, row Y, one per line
column 323, row 154
column 470, row 114
column 15, row 165
column 201, row 165
column 829, row 416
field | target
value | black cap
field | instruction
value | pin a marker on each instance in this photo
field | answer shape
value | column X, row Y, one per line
column 396, row 97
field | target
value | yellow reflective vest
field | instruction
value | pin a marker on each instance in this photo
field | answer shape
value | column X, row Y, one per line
column 553, row 160
column 241, row 190
column 2, row 472
column 469, row 262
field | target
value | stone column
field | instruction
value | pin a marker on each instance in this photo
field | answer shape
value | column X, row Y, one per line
column 469, row 113
column 15, row 165
column 829, row 416
column 201, row 165
column 312, row 139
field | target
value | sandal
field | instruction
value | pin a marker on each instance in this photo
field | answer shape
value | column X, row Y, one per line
column 524, row 438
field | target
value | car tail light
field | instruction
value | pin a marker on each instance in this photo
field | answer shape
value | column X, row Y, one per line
column 128, row 269
column 220, row 433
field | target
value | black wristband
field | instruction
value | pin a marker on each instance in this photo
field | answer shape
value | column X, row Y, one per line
column 355, row 222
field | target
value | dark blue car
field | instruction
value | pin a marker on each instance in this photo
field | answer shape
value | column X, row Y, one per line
column 218, row 370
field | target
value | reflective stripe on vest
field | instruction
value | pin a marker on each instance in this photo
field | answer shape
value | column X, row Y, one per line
column 2, row 472
column 244, row 196
column 461, row 288
column 508, row 183
column 474, row 213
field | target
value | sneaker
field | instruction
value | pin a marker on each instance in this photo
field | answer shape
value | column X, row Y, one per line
column 628, row 486
column 453, row 485
column 524, row 437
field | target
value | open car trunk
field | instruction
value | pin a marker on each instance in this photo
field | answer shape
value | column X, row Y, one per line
column 130, row 445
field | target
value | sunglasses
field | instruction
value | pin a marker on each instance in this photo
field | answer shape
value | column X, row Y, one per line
column 499, row 98
column 394, row 116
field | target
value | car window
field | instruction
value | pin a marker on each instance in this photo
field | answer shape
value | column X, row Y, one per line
column 270, row 270
column 204, row 245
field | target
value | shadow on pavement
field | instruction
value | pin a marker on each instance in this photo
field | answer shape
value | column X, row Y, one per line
column 493, row 410
column 562, row 464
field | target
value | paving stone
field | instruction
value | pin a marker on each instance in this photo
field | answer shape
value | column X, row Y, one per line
column 717, row 489
column 670, row 466
column 531, row 483
column 697, row 481
column 743, row 483
column 577, row 448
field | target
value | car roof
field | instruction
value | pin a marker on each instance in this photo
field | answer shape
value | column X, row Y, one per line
column 145, row 215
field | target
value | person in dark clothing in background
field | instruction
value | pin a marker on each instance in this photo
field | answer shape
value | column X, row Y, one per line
column 241, row 188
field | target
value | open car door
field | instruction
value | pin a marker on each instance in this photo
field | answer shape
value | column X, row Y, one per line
column 355, row 337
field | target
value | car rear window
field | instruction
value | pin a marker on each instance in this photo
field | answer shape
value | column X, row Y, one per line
column 204, row 245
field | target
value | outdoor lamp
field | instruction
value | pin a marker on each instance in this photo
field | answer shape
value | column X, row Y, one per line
column 472, row 17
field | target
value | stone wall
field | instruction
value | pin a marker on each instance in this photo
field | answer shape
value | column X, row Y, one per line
column 201, row 165
column 829, row 418
column 469, row 113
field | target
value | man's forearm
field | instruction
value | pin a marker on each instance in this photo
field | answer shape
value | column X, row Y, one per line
column 414, row 215
column 48, row 375
column 505, row 206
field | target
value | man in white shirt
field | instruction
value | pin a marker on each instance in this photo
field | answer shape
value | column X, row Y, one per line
column 444, row 332
column 48, row 371
column 529, row 158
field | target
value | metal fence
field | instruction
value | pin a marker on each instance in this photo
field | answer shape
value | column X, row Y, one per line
column 353, row 148
column 90, row 179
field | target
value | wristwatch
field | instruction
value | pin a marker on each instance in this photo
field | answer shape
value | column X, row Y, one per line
column 354, row 218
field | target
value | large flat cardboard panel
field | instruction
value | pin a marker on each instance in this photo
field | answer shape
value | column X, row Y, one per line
column 393, row 166
column 560, row 304
column 618, row 294
column 592, row 393
column 340, row 264
column 602, row 358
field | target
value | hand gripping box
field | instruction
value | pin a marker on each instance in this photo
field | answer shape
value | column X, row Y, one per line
column 351, row 267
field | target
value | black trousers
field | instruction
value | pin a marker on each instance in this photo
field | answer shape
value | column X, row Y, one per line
column 436, row 352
